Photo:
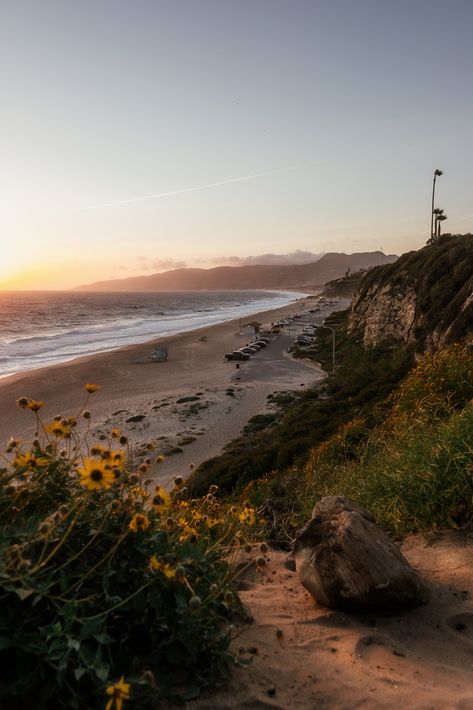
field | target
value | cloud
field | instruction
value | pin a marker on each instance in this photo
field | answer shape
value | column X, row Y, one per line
column 206, row 186
column 149, row 264
column 295, row 257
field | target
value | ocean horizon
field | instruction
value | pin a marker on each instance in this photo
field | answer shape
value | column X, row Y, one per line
column 41, row 328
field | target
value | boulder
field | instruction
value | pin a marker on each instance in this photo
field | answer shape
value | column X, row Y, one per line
column 347, row 562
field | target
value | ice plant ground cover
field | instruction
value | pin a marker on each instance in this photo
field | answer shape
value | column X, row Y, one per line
column 110, row 590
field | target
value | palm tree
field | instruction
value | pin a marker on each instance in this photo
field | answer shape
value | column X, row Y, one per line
column 437, row 173
column 439, row 221
column 439, row 217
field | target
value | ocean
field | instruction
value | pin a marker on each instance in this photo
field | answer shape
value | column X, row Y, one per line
column 42, row 328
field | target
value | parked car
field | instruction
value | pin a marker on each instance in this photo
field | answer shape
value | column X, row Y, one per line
column 259, row 343
column 236, row 355
column 302, row 341
column 264, row 339
column 248, row 350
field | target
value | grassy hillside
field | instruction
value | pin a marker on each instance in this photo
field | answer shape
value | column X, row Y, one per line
column 391, row 433
column 413, row 468
column 442, row 278
column 364, row 378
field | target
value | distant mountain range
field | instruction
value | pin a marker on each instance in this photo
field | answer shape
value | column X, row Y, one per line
column 221, row 278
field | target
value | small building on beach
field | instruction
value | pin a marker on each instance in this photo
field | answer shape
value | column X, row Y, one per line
column 253, row 327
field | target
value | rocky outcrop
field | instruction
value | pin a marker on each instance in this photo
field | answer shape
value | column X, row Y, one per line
column 383, row 313
column 424, row 299
column 346, row 562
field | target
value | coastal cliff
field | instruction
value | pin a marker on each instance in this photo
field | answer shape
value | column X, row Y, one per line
column 424, row 299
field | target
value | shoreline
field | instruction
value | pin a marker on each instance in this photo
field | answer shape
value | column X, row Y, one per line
column 120, row 337
column 223, row 397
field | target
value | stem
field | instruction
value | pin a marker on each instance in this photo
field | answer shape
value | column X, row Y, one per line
column 119, row 604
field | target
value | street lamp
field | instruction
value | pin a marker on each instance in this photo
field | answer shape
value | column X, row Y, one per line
column 333, row 345
column 437, row 174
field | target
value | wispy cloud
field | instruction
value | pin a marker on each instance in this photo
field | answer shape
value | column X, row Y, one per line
column 295, row 257
column 149, row 264
column 206, row 186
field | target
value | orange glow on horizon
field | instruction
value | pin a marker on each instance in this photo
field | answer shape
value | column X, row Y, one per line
column 41, row 277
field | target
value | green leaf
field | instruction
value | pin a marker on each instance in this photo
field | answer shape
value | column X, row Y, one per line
column 89, row 629
column 73, row 643
column 79, row 672
column 103, row 638
column 102, row 673
column 5, row 642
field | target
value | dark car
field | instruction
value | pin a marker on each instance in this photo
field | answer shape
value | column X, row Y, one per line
column 236, row 355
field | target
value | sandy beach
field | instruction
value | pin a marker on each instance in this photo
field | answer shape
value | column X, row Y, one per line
column 189, row 406
column 419, row 659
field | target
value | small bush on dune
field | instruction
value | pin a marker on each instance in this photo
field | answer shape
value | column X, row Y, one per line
column 107, row 592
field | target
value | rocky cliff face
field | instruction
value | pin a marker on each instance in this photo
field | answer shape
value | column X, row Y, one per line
column 383, row 313
column 425, row 298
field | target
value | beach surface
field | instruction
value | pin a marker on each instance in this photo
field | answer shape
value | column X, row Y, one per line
column 303, row 655
column 189, row 407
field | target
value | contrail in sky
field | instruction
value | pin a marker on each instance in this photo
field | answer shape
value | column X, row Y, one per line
column 202, row 187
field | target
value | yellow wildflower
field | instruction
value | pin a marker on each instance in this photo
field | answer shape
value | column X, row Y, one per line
column 34, row 405
column 115, row 433
column 211, row 522
column 138, row 491
column 59, row 428
column 96, row 474
column 118, row 693
column 29, row 461
column 161, row 498
column 91, row 388
column 168, row 571
column 138, row 522
column 96, row 450
column 188, row 534
column 117, row 457
column 247, row 516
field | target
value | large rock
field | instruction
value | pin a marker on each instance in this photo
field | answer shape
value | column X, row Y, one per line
column 347, row 562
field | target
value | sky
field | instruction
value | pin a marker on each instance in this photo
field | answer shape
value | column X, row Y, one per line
column 147, row 135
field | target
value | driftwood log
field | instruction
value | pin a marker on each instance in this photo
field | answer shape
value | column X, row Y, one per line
column 347, row 562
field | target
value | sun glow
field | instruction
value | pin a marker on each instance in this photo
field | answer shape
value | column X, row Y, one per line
column 12, row 260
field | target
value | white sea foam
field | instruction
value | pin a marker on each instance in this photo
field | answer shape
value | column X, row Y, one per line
column 44, row 331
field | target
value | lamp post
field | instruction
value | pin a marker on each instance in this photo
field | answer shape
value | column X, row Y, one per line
column 333, row 345
column 437, row 173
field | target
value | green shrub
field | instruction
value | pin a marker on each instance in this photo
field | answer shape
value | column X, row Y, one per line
column 102, row 581
column 415, row 471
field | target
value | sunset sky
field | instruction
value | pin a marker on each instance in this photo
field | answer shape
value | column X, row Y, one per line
column 250, row 127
